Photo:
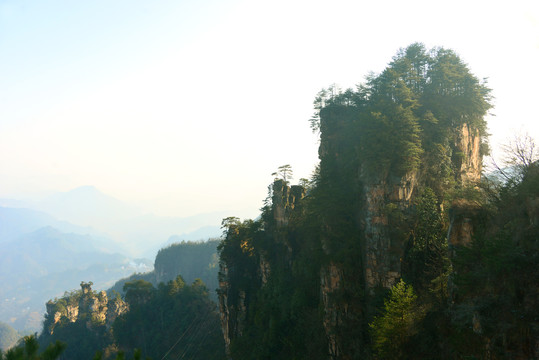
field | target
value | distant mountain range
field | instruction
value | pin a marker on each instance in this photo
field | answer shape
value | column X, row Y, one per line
column 15, row 222
column 87, row 206
column 81, row 235
column 86, row 210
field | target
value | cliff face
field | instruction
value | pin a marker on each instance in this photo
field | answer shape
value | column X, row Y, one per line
column 380, row 202
column 359, row 210
column 468, row 154
column 382, row 253
column 247, row 273
column 393, row 153
column 232, row 309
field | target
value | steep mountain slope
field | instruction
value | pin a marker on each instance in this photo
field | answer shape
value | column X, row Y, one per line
column 15, row 222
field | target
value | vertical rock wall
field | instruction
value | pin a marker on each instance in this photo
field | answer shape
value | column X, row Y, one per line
column 233, row 300
column 382, row 255
column 382, row 247
column 232, row 308
column 468, row 159
column 370, row 202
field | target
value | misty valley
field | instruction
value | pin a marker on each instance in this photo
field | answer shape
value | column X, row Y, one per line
column 401, row 245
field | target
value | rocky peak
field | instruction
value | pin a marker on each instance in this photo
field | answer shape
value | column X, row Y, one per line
column 86, row 304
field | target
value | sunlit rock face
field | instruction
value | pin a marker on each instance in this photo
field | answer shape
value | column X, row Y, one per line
column 468, row 160
column 97, row 309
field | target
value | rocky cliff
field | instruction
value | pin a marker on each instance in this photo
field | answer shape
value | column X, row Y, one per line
column 373, row 208
column 95, row 308
column 399, row 136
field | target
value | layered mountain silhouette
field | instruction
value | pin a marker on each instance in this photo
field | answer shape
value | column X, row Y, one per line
column 80, row 235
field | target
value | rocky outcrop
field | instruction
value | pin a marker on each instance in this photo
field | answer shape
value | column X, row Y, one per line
column 382, row 253
column 467, row 157
column 115, row 308
column 95, row 308
column 284, row 200
column 462, row 216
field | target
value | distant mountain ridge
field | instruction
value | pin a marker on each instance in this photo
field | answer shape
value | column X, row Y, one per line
column 80, row 235
column 15, row 222
column 87, row 206
column 87, row 210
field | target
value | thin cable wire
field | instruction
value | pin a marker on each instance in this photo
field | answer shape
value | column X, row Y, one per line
column 181, row 337
column 194, row 334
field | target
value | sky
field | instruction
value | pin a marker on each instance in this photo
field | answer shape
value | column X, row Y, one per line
column 187, row 107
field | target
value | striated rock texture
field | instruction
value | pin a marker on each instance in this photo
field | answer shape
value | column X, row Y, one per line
column 468, row 160
column 334, row 311
column 382, row 253
column 232, row 308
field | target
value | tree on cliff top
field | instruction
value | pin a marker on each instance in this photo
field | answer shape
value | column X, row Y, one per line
column 284, row 172
column 412, row 107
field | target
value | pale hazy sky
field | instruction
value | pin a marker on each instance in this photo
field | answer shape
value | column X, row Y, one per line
column 188, row 106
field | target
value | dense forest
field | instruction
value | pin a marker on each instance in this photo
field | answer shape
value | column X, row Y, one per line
column 398, row 247
column 192, row 260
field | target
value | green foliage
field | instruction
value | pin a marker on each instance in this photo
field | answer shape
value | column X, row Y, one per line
column 282, row 305
column 284, row 172
column 118, row 286
column 397, row 324
column 496, row 277
column 29, row 350
column 391, row 136
column 191, row 260
column 174, row 317
column 138, row 292
column 409, row 114
column 80, row 339
column 174, row 320
column 426, row 259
